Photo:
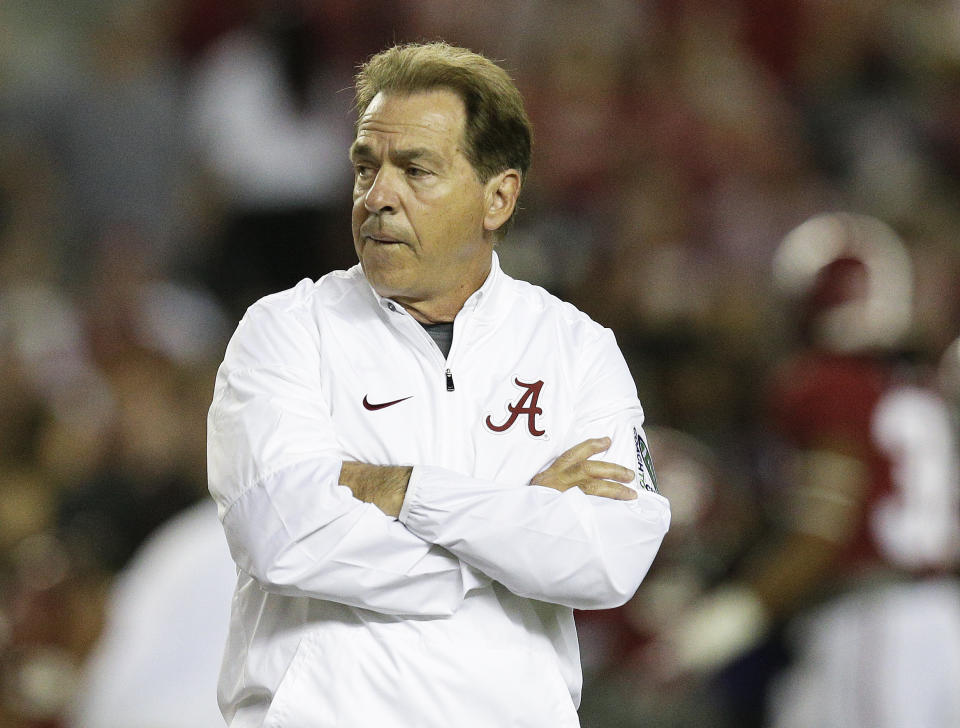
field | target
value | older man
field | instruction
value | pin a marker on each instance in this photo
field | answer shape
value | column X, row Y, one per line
column 403, row 453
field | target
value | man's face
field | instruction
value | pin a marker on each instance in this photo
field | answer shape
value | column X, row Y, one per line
column 418, row 207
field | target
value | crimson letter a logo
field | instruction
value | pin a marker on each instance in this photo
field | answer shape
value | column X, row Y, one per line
column 526, row 406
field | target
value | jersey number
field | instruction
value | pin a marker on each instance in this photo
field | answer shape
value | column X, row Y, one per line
column 918, row 525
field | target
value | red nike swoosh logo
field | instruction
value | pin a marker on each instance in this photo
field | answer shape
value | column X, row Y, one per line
column 368, row 405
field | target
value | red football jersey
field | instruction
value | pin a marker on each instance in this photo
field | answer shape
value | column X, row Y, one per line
column 909, row 515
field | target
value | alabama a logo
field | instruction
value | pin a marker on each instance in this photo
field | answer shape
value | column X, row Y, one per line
column 527, row 406
column 645, row 472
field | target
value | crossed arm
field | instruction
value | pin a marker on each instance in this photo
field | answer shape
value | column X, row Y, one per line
column 552, row 543
column 386, row 485
column 293, row 530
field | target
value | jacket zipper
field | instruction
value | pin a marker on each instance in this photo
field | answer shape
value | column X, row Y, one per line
column 448, row 374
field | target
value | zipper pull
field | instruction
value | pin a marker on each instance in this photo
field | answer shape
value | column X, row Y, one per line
column 449, row 381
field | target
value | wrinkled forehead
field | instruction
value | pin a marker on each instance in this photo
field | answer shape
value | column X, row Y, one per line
column 433, row 118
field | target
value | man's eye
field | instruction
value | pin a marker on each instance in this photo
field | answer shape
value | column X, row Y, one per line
column 416, row 172
column 363, row 170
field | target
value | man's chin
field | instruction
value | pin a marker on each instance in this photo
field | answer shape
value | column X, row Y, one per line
column 387, row 282
column 385, row 256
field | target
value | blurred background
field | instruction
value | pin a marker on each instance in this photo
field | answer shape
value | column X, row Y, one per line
column 164, row 163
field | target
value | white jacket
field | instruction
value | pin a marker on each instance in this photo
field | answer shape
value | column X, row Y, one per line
column 460, row 613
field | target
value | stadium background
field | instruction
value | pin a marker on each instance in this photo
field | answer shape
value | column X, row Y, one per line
column 165, row 163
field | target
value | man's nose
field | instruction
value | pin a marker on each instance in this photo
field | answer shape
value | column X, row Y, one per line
column 381, row 196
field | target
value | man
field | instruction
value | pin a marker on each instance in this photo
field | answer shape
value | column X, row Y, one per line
column 401, row 452
column 862, row 559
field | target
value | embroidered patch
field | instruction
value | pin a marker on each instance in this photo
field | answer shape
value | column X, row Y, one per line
column 527, row 405
column 645, row 472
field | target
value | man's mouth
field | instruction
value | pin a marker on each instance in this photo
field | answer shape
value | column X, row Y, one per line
column 383, row 239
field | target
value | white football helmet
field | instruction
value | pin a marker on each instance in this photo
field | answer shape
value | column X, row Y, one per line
column 851, row 279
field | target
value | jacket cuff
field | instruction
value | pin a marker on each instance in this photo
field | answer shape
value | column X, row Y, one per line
column 410, row 495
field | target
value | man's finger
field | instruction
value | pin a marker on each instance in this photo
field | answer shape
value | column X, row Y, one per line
column 608, row 489
column 603, row 470
column 583, row 450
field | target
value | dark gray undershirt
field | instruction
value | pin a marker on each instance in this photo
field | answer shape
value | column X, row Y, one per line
column 442, row 335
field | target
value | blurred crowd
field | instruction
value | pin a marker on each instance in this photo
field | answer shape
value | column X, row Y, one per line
column 165, row 163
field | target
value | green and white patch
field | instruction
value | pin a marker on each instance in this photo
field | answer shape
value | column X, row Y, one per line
column 646, row 475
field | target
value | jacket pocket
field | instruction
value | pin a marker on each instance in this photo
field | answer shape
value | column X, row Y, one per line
column 291, row 693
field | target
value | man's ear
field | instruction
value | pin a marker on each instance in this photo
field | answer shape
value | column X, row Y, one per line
column 501, row 193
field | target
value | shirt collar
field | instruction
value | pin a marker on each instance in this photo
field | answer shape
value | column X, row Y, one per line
column 484, row 292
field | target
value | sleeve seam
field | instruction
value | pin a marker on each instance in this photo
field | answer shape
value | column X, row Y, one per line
column 262, row 480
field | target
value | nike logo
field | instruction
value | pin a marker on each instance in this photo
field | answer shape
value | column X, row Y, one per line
column 372, row 407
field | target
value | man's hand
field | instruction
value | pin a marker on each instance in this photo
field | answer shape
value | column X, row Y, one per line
column 593, row 477
column 383, row 485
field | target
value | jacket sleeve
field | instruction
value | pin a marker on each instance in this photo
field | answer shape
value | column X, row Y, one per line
column 573, row 549
column 274, row 466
